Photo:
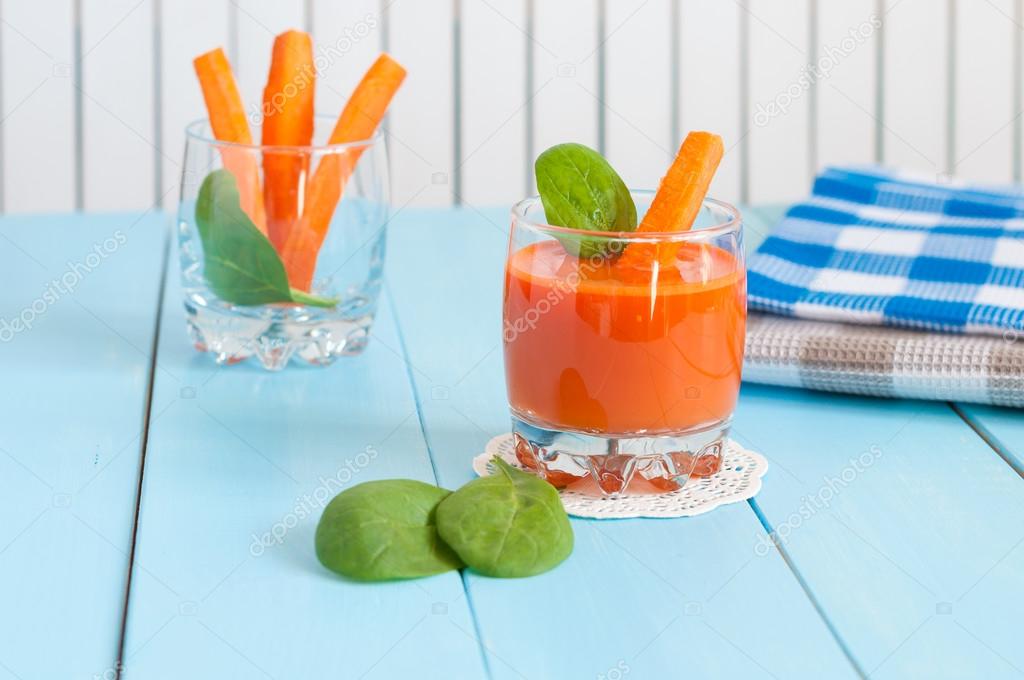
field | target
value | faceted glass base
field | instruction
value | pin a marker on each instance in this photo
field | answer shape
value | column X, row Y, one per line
column 612, row 466
column 273, row 339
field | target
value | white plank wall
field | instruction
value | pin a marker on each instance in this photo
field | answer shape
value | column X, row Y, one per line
column 638, row 114
column 38, row 120
column 258, row 21
column 565, row 57
column 421, row 127
column 848, row 34
column 936, row 88
column 347, row 37
column 495, row 101
column 182, row 39
column 1017, row 87
column 779, row 118
column 916, row 85
column 709, row 83
column 984, row 116
column 120, row 140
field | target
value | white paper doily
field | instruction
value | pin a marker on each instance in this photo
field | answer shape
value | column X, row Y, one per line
column 738, row 480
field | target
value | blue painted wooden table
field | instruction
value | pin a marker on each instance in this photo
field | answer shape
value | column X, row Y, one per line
column 158, row 511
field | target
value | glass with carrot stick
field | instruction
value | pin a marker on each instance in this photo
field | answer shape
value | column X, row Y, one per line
column 282, row 239
column 624, row 322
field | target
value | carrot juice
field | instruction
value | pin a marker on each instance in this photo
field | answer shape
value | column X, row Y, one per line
column 591, row 353
column 624, row 322
column 623, row 374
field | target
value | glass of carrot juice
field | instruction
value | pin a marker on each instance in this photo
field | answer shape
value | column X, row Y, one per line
column 623, row 379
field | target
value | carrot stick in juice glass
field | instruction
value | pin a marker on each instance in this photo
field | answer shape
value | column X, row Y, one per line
column 287, row 121
column 678, row 200
column 229, row 124
column 358, row 121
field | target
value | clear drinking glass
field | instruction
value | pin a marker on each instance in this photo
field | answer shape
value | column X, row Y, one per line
column 323, row 318
column 623, row 350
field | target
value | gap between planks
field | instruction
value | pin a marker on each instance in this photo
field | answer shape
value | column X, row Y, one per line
column 993, row 442
column 477, row 632
column 805, row 587
column 143, row 444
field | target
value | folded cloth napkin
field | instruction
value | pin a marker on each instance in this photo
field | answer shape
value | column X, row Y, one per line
column 876, row 247
column 884, row 362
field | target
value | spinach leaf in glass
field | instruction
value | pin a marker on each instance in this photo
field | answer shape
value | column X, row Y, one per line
column 580, row 190
column 240, row 264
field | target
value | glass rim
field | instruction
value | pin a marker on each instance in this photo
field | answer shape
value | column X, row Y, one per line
column 192, row 131
column 730, row 225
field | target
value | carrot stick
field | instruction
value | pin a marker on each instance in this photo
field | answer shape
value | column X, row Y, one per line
column 228, row 122
column 287, row 121
column 358, row 121
column 678, row 200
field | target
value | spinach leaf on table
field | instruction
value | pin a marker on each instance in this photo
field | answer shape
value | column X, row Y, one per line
column 383, row 530
column 240, row 264
column 509, row 524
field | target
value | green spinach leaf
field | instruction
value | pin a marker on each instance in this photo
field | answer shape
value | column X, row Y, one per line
column 509, row 524
column 239, row 263
column 384, row 530
column 580, row 190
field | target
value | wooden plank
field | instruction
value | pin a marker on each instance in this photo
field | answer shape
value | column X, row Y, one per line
column 565, row 74
column 1017, row 98
column 636, row 594
column 120, row 141
column 710, row 99
column 238, row 467
column 984, row 105
column 346, row 39
column 848, row 33
column 915, row 90
column 75, row 362
column 494, row 102
column 758, row 222
column 779, row 99
column 421, row 130
column 903, row 523
column 183, row 39
column 38, row 115
column 638, row 107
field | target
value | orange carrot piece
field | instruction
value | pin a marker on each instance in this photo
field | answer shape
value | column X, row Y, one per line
column 287, row 121
column 358, row 121
column 678, row 200
column 229, row 124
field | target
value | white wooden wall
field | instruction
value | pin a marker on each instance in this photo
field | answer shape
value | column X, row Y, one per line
column 94, row 94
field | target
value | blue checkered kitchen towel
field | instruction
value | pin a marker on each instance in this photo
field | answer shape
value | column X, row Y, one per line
column 876, row 247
